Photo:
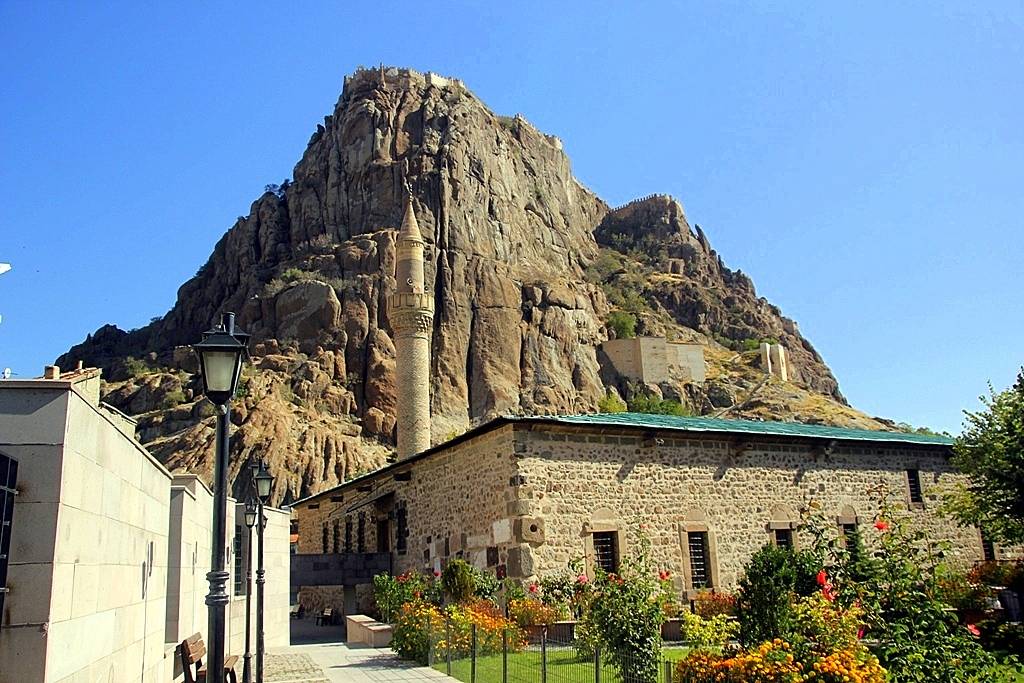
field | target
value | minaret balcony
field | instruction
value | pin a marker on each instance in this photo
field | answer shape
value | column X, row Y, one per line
column 412, row 301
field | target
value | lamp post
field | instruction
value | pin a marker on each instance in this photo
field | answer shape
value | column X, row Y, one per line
column 250, row 522
column 262, row 481
column 221, row 353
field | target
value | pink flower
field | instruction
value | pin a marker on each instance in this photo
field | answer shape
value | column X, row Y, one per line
column 882, row 525
column 582, row 578
column 829, row 592
column 664, row 575
column 975, row 631
column 437, row 574
column 822, row 578
column 860, row 633
column 534, row 588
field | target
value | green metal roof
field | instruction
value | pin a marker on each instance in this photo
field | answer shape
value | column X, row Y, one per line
column 710, row 424
column 662, row 422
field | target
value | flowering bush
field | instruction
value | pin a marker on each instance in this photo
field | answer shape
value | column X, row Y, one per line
column 897, row 587
column 707, row 634
column 958, row 591
column 1004, row 574
column 667, row 596
column 413, row 629
column 626, row 612
column 457, row 634
column 709, row 604
column 421, row 626
column 528, row 612
column 775, row 661
column 391, row 592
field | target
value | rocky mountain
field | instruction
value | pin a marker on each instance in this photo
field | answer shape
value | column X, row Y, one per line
column 526, row 265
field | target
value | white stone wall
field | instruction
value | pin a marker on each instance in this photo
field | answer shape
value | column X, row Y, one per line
column 93, row 530
column 688, row 361
column 653, row 359
column 32, row 424
column 191, row 534
column 87, row 602
column 110, row 567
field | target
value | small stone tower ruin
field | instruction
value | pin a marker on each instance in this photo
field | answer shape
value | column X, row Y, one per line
column 412, row 318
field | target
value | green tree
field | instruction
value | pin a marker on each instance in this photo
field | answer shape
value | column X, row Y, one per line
column 764, row 602
column 991, row 453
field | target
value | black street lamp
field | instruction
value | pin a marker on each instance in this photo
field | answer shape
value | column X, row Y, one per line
column 250, row 522
column 262, row 482
column 221, row 353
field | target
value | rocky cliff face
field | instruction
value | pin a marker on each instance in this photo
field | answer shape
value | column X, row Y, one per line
column 518, row 255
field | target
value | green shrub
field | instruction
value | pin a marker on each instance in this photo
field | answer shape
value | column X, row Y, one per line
column 764, row 599
column 707, row 634
column 611, row 404
column 459, row 580
column 486, row 585
column 172, row 399
column 623, row 324
column 298, row 275
column 646, row 403
column 135, row 367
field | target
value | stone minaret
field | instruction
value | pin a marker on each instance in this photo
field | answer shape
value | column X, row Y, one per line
column 412, row 318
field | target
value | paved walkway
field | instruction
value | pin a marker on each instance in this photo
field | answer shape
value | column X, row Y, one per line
column 339, row 663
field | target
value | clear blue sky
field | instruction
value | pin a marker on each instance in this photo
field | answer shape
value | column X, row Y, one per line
column 862, row 162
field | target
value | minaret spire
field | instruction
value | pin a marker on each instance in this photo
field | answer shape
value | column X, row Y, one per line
column 412, row 319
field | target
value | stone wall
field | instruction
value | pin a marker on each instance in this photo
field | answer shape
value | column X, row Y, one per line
column 653, row 360
column 109, row 554
column 89, row 551
column 457, row 503
column 578, row 483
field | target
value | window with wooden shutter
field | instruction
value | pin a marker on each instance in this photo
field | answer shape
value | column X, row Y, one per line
column 914, row 485
column 700, row 568
column 606, row 551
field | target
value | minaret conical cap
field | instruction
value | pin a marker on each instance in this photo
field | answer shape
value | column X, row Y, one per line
column 410, row 228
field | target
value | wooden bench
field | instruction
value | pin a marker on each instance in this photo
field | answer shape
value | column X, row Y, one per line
column 360, row 628
column 192, row 652
column 325, row 617
column 296, row 611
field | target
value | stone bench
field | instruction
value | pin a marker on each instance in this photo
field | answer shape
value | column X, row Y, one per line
column 362, row 629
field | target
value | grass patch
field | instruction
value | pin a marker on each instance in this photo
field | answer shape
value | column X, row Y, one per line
column 563, row 666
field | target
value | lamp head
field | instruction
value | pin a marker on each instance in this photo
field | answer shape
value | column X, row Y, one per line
column 221, row 353
column 263, row 480
column 250, row 512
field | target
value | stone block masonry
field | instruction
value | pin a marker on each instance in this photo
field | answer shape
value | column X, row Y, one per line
column 524, row 497
column 579, row 483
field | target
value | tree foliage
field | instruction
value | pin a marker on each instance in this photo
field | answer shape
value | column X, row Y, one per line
column 991, row 453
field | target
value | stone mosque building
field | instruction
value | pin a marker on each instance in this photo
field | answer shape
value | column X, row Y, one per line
column 524, row 496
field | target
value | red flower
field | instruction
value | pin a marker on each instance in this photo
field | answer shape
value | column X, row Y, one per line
column 882, row 525
column 975, row 631
column 822, row 578
column 829, row 592
column 437, row 574
column 534, row 588
column 860, row 633
column 664, row 575
column 582, row 578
